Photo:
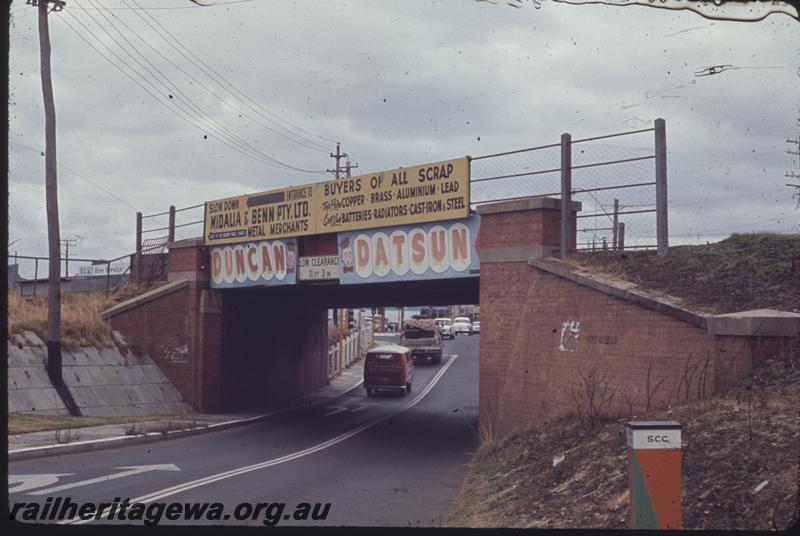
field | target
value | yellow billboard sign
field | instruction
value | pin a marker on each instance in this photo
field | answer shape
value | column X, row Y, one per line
column 262, row 216
column 430, row 192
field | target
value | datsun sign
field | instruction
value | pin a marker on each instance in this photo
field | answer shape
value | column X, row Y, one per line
column 439, row 250
column 254, row 264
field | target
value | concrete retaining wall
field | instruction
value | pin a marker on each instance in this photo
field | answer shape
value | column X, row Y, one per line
column 107, row 381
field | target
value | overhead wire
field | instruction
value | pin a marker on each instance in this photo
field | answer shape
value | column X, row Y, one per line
column 64, row 166
column 178, row 111
column 210, row 91
column 223, row 82
column 192, row 107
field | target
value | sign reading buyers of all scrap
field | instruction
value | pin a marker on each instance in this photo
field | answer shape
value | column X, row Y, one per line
column 431, row 192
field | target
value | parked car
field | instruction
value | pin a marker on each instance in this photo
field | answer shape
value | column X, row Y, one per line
column 476, row 326
column 462, row 324
column 446, row 327
column 424, row 339
column 389, row 367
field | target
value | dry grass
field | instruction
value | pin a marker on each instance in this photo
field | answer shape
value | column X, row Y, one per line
column 744, row 271
column 731, row 443
column 23, row 423
column 81, row 324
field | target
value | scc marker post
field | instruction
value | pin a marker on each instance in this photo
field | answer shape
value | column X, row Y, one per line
column 654, row 474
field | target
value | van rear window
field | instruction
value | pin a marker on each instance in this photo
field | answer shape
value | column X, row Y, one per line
column 384, row 357
column 414, row 333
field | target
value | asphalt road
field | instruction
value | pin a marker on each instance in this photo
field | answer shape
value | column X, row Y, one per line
column 389, row 460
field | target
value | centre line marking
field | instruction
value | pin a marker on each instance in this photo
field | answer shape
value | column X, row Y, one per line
column 167, row 492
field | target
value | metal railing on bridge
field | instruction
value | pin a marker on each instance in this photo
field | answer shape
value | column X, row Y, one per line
column 621, row 185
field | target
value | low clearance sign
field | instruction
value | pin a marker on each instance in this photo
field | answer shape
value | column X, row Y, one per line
column 264, row 263
column 431, row 192
column 412, row 252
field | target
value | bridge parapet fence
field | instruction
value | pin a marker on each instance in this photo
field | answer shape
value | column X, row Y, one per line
column 28, row 274
column 620, row 180
column 150, row 261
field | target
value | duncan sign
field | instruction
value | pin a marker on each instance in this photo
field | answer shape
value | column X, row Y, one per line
column 411, row 252
column 255, row 264
column 431, row 192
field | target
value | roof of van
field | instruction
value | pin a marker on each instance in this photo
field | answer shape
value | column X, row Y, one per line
column 389, row 348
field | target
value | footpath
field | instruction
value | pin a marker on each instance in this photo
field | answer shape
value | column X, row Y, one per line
column 162, row 427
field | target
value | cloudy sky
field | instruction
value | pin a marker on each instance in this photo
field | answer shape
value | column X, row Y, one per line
column 163, row 103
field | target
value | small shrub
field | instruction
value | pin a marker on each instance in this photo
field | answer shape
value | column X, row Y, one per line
column 67, row 435
column 136, row 346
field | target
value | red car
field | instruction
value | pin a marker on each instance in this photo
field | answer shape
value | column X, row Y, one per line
column 389, row 367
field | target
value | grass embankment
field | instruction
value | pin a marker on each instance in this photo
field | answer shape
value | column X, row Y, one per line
column 742, row 272
column 731, row 444
column 81, row 324
column 22, row 423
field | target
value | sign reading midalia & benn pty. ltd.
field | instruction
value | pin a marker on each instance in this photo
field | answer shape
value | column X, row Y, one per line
column 254, row 264
column 440, row 250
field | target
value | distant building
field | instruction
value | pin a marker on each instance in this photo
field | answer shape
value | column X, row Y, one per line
column 30, row 287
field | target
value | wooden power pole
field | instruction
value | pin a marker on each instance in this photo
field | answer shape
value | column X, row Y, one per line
column 51, row 195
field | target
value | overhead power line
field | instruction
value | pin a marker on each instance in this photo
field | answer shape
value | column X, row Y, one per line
column 180, row 109
column 310, row 145
column 65, row 167
column 190, row 107
column 224, row 83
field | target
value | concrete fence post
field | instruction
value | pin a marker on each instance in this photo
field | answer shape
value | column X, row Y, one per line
column 654, row 474
column 35, row 275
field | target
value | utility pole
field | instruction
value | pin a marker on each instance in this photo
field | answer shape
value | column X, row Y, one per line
column 348, row 166
column 337, row 156
column 51, row 195
column 67, row 242
column 792, row 174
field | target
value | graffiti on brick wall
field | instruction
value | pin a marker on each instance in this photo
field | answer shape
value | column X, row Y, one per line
column 175, row 354
column 602, row 339
column 570, row 331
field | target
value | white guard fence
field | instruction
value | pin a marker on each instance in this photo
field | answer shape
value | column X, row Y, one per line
column 349, row 350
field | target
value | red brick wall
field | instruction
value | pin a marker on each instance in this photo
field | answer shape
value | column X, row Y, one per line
column 164, row 328
column 525, row 376
column 513, row 229
column 187, row 259
column 273, row 352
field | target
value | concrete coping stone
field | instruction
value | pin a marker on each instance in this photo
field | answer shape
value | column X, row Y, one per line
column 526, row 203
column 150, row 295
column 186, row 243
column 623, row 290
column 756, row 323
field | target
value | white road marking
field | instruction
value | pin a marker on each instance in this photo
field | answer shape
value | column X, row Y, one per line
column 26, row 482
column 186, row 486
column 334, row 410
column 359, row 407
column 131, row 471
